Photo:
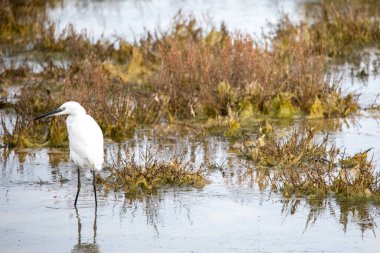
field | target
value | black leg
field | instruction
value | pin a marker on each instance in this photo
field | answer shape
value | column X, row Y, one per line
column 76, row 198
column 79, row 227
column 95, row 226
column 94, row 183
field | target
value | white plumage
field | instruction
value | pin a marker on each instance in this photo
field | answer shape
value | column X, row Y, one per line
column 85, row 139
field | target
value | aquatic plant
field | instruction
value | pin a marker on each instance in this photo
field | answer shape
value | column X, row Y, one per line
column 337, row 29
column 140, row 178
column 299, row 164
column 186, row 72
column 236, row 73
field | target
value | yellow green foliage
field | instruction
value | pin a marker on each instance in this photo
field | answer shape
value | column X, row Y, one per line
column 138, row 179
column 225, row 94
column 338, row 29
column 247, row 111
column 316, row 109
column 281, row 106
column 214, row 38
column 116, row 71
column 298, row 164
column 58, row 135
column 233, row 126
column 266, row 128
column 124, row 53
column 135, row 71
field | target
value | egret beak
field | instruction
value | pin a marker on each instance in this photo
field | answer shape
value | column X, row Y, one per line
column 49, row 113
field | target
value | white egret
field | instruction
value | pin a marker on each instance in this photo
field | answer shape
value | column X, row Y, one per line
column 85, row 140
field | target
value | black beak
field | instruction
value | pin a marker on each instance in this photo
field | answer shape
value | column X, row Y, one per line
column 49, row 114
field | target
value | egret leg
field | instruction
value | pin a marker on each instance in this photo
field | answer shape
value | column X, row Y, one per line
column 79, row 228
column 94, row 183
column 76, row 198
column 95, row 226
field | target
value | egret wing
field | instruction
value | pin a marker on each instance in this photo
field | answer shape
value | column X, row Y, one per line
column 86, row 142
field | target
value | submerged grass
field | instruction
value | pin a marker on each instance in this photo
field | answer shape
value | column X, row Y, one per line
column 299, row 164
column 144, row 176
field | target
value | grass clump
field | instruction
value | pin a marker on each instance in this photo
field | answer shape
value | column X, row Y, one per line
column 139, row 177
column 239, row 74
column 300, row 165
column 337, row 29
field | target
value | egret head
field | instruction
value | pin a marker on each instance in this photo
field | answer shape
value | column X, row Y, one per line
column 70, row 108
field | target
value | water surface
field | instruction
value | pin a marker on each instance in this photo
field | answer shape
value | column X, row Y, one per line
column 131, row 18
column 231, row 214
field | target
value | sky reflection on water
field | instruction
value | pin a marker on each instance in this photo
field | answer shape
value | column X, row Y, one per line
column 230, row 214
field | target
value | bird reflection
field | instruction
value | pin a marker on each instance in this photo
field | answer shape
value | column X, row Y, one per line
column 86, row 247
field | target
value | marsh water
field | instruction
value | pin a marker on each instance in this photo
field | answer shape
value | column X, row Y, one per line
column 235, row 212
column 231, row 214
column 132, row 18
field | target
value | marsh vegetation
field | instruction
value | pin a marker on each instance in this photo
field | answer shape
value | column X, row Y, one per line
column 186, row 72
column 138, row 177
column 265, row 111
column 299, row 164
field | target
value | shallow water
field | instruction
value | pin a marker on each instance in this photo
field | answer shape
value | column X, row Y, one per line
column 366, row 85
column 131, row 18
column 231, row 214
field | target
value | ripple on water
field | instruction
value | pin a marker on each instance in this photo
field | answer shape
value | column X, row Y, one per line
column 230, row 214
